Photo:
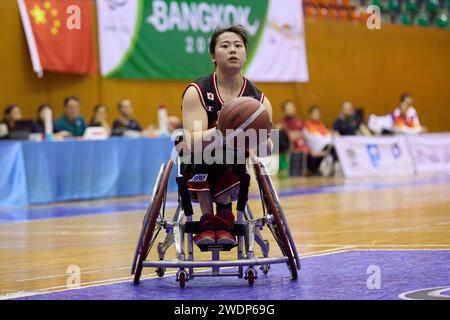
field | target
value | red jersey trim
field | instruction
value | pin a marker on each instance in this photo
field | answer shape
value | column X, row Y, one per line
column 262, row 98
column 244, row 85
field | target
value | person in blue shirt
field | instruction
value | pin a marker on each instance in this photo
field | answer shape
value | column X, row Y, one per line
column 125, row 122
column 71, row 121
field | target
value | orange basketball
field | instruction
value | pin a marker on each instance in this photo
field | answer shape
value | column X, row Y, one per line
column 245, row 113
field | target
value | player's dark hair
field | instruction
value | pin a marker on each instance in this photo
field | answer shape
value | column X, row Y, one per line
column 237, row 29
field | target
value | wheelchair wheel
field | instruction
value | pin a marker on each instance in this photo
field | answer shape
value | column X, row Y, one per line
column 283, row 219
column 251, row 278
column 148, row 234
column 160, row 272
column 278, row 229
column 182, row 280
column 146, row 219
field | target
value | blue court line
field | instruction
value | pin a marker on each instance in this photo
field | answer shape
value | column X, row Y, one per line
column 353, row 275
column 11, row 215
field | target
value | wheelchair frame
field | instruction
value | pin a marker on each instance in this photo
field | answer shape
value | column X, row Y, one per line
column 179, row 232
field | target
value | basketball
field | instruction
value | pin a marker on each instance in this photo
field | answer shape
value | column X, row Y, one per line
column 244, row 113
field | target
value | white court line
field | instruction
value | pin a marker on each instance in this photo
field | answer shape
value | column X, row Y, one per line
column 321, row 252
column 65, row 274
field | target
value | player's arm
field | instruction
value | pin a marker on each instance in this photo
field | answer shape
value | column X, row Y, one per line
column 268, row 105
column 195, row 119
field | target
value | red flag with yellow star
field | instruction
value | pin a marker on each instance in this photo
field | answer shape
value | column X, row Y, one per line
column 59, row 35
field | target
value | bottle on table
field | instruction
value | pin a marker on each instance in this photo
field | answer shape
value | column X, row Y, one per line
column 163, row 120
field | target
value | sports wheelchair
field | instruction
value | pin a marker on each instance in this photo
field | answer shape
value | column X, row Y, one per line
column 180, row 229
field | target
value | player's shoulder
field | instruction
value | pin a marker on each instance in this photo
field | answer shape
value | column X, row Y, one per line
column 252, row 90
column 251, row 85
column 199, row 85
column 206, row 79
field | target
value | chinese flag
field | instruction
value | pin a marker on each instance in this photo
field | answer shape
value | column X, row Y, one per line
column 59, row 35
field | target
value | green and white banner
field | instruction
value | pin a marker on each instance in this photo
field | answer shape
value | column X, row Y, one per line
column 162, row 39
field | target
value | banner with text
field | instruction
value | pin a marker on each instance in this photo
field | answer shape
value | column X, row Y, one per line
column 162, row 39
column 431, row 152
column 374, row 156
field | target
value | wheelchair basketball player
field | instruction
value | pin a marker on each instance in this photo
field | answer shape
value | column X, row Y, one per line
column 202, row 101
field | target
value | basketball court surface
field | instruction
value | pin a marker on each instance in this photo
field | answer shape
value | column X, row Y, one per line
column 357, row 239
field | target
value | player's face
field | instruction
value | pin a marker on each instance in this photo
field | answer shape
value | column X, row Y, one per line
column 230, row 51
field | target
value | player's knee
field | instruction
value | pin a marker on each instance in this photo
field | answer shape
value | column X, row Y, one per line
column 224, row 198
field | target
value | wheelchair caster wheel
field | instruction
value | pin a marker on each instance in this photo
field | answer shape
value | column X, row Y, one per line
column 182, row 278
column 160, row 272
column 251, row 276
column 265, row 268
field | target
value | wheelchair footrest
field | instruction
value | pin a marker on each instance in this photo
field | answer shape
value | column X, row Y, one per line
column 196, row 227
column 220, row 247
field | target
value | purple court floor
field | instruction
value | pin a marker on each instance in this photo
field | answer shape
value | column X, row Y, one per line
column 353, row 275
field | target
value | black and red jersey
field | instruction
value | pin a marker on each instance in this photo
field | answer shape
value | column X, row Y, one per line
column 210, row 96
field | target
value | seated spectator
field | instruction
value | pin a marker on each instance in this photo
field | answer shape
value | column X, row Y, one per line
column 293, row 126
column 99, row 118
column 39, row 124
column 11, row 114
column 124, row 122
column 405, row 118
column 348, row 123
column 71, row 123
column 320, row 142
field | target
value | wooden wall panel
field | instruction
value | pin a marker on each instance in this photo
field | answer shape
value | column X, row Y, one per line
column 346, row 61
